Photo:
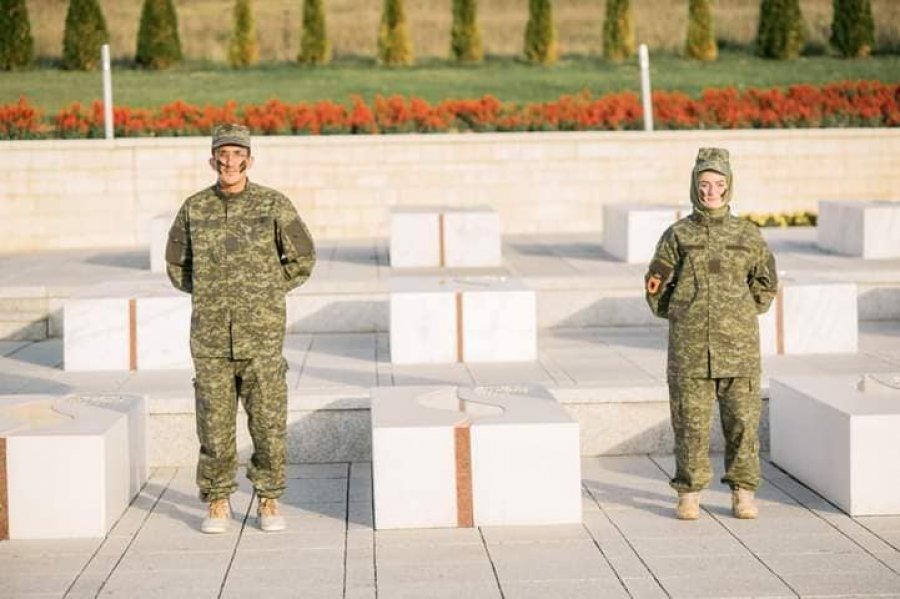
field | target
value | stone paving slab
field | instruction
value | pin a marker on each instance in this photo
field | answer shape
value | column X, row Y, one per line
column 629, row 545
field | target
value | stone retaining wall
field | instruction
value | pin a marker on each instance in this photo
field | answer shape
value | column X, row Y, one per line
column 95, row 193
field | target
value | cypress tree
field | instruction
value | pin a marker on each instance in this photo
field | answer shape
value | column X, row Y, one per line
column 541, row 39
column 618, row 30
column 394, row 43
column 16, row 43
column 158, row 45
column 243, row 50
column 781, row 32
column 853, row 28
column 314, row 45
column 465, row 35
column 85, row 33
column 701, row 41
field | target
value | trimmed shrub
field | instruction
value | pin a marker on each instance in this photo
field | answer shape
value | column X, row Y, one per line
column 16, row 43
column 541, row 38
column 618, row 30
column 314, row 45
column 853, row 28
column 394, row 43
column 465, row 35
column 701, row 39
column 781, row 32
column 158, row 45
column 85, row 33
column 243, row 50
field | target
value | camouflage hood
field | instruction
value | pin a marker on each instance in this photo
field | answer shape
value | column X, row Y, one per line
column 711, row 159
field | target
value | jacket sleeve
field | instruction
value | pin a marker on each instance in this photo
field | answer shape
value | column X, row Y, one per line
column 179, row 257
column 295, row 245
column 763, row 276
column 659, row 282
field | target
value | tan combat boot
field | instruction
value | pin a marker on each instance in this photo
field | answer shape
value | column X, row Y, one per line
column 269, row 518
column 742, row 504
column 688, row 506
column 218, row 519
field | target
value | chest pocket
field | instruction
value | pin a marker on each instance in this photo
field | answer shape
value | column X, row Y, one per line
column 687, row 284
column 208, row 238
column 737, row 261
column 257, row 234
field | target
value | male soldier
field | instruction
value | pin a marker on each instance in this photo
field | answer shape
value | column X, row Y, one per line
column 711, row 275
column 238, row 248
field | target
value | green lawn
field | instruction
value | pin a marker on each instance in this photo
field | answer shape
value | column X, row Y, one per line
column 508, row 79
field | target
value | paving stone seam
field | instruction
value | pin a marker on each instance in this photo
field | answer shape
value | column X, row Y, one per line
column 237, row 543
column 599, row 548
column 738, row 539
column 630, row 546
column 487, row 552
column 130, row 541
column 306, row 352
column 346, row 529
column 816, row 513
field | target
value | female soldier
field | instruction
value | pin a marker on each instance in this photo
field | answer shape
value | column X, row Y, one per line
column 711, row 275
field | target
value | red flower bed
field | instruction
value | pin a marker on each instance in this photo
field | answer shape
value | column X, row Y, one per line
column 844, row 104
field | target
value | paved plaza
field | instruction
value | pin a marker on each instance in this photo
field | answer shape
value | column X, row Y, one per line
column 628, row 545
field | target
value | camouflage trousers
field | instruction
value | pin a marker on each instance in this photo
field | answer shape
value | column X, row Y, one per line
column 218, row 386
column 691, row 405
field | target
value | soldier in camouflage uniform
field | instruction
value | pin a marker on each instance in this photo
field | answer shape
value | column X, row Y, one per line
column 238, row 248
column 711, row 275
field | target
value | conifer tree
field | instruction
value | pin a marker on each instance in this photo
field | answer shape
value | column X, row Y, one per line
column 314, row 45
column 243, row 50
column 781, row 32
column 85, row 34
column 853, row 28
column 158, row 45
column 465, row 35
column 701, row 40
column 541, row 39
column 394, row 43
column 618, row 30
column 16, row 43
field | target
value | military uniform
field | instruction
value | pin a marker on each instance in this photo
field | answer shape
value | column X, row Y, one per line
column 711, row 275
column 238, row 255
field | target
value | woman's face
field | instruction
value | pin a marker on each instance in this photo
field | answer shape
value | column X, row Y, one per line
column 712, row 186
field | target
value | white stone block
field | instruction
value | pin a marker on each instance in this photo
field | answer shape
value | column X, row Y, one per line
column 73, row 464
column 163, row 332
column 415, row 237
column 811, row 317
column 96, row 334
column 630, row 232
column 423, row 327
column 838, row 434
column 447, row 457
column 465, row 319
column 434, row 237
column 471, row 237
column 864, row 229
column 159, row 236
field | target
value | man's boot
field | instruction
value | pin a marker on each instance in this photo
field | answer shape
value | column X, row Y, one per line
column 269, row 518
column 742, row 504
column 688, row 506
column 216, row 522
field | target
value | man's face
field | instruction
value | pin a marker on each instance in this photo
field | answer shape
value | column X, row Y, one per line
column 231, row 163
column 712, row 186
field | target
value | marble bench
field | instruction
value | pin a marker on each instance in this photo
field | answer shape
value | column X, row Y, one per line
column 137, row 326
column 811, row 317
column 463, row 457
column 70, row 465
column 860, row 228
column 838, row 434
column 461, row 319
column 630, row 231
column 445, row 237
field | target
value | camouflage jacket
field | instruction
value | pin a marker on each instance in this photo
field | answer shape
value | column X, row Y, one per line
column 716, row 275
column 238, row 256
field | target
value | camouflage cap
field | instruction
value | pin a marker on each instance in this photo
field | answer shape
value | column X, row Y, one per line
column 231, row 134
column 713, row 159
